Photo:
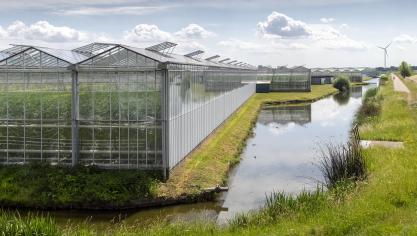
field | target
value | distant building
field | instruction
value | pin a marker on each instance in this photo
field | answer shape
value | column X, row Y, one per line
column 328, row 75
column 282, row 78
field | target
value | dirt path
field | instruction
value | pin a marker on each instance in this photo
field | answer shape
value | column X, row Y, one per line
column 399, row 86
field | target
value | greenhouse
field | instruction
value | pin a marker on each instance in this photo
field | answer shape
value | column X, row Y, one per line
column 286, row 79
column 328, row 75
column 113, row 105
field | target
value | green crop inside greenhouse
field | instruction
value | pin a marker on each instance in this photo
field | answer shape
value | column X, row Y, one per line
column 112, row 105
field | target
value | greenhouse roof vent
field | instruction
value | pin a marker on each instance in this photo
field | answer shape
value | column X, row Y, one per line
column 212, row 57
column 195, row 53
column 164, row 48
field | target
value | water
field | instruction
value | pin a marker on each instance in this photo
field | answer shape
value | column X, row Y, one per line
column 282, row 155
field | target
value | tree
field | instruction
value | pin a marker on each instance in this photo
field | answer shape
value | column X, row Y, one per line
column 405, row 69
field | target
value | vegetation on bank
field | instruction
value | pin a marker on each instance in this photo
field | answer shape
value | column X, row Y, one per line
column 384, row 204
column 342, row 84
column 44, row 186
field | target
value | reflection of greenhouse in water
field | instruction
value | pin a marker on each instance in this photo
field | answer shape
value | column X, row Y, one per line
column 113, row 105
column 299, row 114
column 356, row 92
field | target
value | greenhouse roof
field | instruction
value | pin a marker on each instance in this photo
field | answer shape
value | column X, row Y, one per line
column 337, row 69
column 69, row 56
column 178, row 59
column 83, row 53
column 3, row 55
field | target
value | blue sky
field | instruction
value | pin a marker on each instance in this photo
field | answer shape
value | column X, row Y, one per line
column 316, row 33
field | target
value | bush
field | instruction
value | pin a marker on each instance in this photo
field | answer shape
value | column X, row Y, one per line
column 405, row 69
column 342, row 84
column 342, row 163
column 383, row 79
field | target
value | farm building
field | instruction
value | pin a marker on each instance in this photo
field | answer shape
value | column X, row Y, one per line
column 286, row 79
column 113, row 105
column 328, row 75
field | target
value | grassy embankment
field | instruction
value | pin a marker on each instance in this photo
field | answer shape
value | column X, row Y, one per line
column 51, row 186
column 384, row 204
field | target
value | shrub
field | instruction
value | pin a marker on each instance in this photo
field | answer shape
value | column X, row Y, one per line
column 405, row 69
column 383, row 79
column 342, row 84
column 341, row 163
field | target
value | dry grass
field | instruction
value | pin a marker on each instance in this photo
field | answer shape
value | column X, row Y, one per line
column 209, row 164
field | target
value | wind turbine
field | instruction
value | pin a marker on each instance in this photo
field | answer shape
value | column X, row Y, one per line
column 385, row 53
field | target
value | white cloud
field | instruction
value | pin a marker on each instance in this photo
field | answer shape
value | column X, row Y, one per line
column 194, row 31
column 297, row 46
column 401, row 48
column 279, row 25
column 344, row 26
column 146, row 33
column 345, row 43
column 405, row 38
column 125, row 10
column 42, row 31
column 327, row 20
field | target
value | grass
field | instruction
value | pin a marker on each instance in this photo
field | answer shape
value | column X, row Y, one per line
column 208, row 166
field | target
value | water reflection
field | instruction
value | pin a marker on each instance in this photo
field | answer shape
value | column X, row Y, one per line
column 299, row 114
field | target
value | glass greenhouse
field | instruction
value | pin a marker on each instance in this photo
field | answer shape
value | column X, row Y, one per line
column 328, row 75
column 286, row 79
column 112, row 105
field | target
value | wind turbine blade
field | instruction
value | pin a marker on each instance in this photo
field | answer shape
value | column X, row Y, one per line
column 380, row 47
column 388, row 45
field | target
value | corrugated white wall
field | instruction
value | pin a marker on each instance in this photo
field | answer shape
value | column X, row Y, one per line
column 190, row 129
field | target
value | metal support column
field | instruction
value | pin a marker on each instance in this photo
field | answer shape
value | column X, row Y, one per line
column 75, row 146
column 165, row 120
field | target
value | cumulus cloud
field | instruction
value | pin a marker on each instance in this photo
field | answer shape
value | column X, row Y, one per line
column 146, row 33
column 405, row 38
column 279, row 25
column 327, row 20
column 194, row 31
column 42, row 31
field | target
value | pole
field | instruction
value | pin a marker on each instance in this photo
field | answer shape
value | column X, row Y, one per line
column 74, row 116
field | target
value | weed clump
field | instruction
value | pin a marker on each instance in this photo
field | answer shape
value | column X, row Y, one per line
column 341, row 163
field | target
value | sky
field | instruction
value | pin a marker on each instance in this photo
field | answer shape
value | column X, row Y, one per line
column 314, row 33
